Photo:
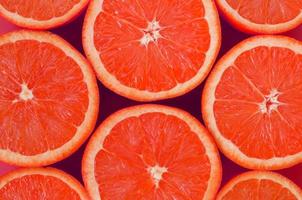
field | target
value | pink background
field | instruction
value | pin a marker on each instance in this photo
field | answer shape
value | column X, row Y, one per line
column 111, row 102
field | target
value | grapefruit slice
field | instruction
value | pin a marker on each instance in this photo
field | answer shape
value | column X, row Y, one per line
column 41, row 183
column 41, row 14
column 260, row 185
column 252, row 103
column 151, row 50
column 266, row 17
column 151, row 152
column 48, row 98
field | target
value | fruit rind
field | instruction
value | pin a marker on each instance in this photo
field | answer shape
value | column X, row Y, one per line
column 43, row 24
column 208, row 99
column 89, row 121
column 244, row 25
column 97, row 139
column 49, row 171
column 261, row 175
column 111, row 82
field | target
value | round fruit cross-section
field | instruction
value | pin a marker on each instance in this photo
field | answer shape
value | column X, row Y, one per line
column 148, row 50
column 41, row 14
column 262, row 16
column 260, row 185
column 40, row 183
column 151, row 152
column 48, row 98
column 252, row 103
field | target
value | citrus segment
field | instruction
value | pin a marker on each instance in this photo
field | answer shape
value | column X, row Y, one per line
column 181, row 58
column 40, row 183
column 178, row 12
column 149, row 8
column 151, row 50
column 262, row 16
column 251, row 103
column 267, row 12
column 152, row 152
column 183, row 35
column 111, row 36
column 260, row 185
column 37, row 14
column 49, row 98
column 34, row 8
column 274, row 74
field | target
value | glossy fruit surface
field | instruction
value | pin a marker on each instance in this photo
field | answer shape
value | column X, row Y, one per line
column 252, row 102
column 149, row 50
column 48, row 99
column 151, row 152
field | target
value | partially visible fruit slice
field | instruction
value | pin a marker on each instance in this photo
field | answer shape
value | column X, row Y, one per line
column 151, row 50
column 264, row 16
column 252, row 103
column 260, row 185
column 40, row 184
column 41, row 14
column 151, row 152
column 48, row 99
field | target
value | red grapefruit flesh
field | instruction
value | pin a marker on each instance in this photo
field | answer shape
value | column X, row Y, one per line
column 260, row 185
column 48, row 98
column 41, row 14
column 262, row 17
column 151, row 152
column 40, row 183
column 252, row 102
column 151, row 50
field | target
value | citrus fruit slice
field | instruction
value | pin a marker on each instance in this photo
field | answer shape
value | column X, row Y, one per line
column 268, row 17
column 260, row 185
column 151, row 50
column 252, row 102
column 48, row 98
column 40, row 183
column 41, row 14
column 151, row 152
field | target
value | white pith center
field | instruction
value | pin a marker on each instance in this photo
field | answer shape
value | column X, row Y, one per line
column 270, row 102
column 151, row 33
column 156, row 173
column 26, row 94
